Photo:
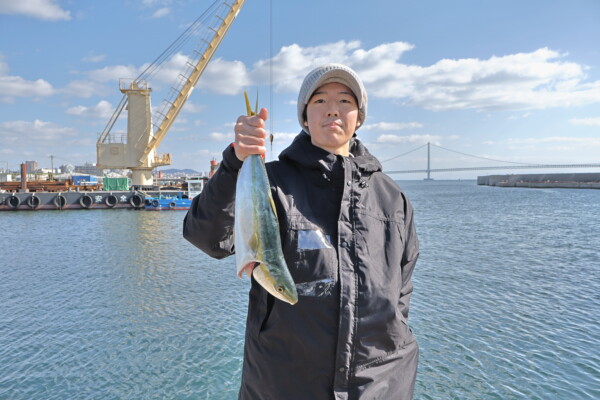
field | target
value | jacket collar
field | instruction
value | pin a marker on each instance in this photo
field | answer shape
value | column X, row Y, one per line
column 303, row 152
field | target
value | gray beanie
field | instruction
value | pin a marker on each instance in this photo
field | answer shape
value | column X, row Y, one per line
column 329, row 73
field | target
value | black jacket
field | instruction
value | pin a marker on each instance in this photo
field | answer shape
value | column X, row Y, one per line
column 350, row 244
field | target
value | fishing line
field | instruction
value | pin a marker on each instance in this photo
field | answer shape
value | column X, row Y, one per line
column 271, row 74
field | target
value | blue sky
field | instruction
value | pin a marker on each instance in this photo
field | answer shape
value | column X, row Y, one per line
column 506, row 80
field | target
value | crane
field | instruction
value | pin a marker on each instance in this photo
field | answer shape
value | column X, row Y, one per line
column 137, row 149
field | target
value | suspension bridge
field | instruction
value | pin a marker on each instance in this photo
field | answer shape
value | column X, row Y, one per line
column 509, row 165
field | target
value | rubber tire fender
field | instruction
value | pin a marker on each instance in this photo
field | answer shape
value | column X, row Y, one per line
column 136, row 200
column 86, row 201
column 60, row 201
column 13, row 202
column 33, row 202
column 111, row 200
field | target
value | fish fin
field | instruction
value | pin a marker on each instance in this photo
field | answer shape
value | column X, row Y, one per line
column 253, row 241
column 248, row 269
column 272, row 205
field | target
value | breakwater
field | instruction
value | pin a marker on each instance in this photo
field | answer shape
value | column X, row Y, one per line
column 541, row 181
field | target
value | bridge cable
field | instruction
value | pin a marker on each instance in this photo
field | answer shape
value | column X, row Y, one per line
column 408, row 152
column 483, row 158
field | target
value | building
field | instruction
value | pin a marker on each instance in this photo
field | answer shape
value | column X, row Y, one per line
column 89, row 169
column 32, row 166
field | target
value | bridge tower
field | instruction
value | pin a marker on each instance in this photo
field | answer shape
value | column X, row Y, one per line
column 428, row 163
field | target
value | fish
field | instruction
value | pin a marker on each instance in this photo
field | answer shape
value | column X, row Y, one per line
column 256, row 230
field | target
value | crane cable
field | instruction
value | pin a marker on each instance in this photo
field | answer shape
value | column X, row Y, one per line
column 177, row 44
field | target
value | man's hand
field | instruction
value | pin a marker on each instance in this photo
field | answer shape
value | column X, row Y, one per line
column 250, row 134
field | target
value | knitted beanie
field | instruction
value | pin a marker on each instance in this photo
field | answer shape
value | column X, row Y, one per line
column 329, row 73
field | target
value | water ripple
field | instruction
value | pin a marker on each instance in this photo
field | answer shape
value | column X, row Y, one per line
column 116, row 305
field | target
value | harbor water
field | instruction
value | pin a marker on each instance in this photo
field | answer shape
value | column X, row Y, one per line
column 115, row 304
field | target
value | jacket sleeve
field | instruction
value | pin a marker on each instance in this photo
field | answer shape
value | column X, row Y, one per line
column 208, row 224
column 409, row 258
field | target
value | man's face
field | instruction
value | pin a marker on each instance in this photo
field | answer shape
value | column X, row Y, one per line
column 332, row 117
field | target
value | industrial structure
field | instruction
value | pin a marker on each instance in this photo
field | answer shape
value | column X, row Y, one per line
column 137, row 150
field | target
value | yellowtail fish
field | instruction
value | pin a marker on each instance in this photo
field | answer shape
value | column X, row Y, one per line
column 256, row 229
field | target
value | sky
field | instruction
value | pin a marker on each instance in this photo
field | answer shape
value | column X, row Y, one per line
column 486, row 82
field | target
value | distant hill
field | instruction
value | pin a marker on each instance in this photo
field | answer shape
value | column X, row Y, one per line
column 180, row 171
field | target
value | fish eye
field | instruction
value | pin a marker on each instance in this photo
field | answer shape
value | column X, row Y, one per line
column 279, row 289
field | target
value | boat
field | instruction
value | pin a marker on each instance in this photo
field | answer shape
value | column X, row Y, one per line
column 195, row 185
column 167, row 202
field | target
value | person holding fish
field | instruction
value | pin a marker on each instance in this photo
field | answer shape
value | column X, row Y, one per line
column 330, row 293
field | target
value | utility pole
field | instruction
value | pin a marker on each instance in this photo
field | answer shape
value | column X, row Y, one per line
column 51, row 167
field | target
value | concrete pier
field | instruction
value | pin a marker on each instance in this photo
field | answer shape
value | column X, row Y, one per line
column 542, row 181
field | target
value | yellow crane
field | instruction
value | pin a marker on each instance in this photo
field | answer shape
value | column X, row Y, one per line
column 137, row 149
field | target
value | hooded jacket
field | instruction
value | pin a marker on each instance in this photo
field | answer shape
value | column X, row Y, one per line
column 350, row 243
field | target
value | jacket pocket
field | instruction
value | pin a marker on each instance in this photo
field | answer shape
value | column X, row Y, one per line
column 309, row 254
column 260, row 305
column 380, row 334
column 407, row 340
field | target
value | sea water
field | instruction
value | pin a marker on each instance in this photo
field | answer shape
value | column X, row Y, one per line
column 115, row 304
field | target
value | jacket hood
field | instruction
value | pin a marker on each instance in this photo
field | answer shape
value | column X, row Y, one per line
column 303, row 152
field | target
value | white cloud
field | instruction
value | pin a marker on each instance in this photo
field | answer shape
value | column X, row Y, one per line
column 225, row 77
column 282, row 137
column 19, row 87
column 392, row 126
column 579, row 141
column 3, row 67
column 585, row 121
column 536, row 80
column 86, row 89
column 16, row 86
column 523, row 81
column 293, row 62
column 221, row 137
column 191, row 108
column 114, row 73
column 153, row 3
column 102, row 110
column 94, row 58
column 42, row 9
column 520, row 116
column 161, row 12
column 34, row 132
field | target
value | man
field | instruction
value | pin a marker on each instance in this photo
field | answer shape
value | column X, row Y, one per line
column 349, row 242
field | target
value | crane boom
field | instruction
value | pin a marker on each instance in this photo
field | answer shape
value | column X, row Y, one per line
column 136, row 150
column 190, row 81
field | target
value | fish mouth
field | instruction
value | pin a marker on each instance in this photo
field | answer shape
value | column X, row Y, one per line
column 282, row 290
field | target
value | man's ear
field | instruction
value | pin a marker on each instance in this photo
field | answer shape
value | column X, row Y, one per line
column 305, row 123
